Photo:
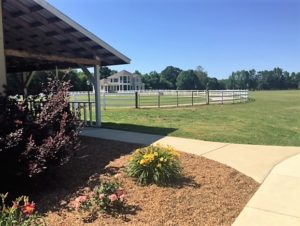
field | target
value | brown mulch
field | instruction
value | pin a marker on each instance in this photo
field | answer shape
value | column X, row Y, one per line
column 211, row 194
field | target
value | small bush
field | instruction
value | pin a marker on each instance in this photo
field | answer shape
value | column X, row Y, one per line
column 21, row 213
column 109, row 197
column 38, row 133
column 155, row 164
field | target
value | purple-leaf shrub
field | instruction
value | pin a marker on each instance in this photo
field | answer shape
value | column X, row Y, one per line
column 40, row 132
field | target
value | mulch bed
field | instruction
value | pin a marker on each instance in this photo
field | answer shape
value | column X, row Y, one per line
column 211, row 194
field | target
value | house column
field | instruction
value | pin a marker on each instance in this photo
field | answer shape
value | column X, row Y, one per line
column 97, row 95
column 3, row 80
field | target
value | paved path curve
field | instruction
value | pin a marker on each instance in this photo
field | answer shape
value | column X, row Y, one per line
column 277, row 201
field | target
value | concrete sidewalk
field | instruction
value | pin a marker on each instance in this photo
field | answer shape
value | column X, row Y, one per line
column 255, row 161
column 277, row 201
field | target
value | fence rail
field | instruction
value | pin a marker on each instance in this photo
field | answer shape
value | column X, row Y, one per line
column 157, row 99
column 166, row 98
column 85, row 109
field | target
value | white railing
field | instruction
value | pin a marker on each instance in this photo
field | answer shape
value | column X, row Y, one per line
column 164, row 98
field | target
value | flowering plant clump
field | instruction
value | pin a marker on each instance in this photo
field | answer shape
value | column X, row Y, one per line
column 155, row 164
column 109, row 197
column 20, row 213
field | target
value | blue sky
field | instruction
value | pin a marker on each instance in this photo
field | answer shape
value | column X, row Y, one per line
column 220, row 35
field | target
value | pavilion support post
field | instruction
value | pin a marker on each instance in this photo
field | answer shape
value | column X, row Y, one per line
column 3, row 80
column 97, row 95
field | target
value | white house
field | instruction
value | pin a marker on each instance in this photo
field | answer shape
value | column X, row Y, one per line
column 121, row 82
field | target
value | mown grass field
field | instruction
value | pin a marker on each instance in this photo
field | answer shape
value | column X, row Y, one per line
column 272, row 119
column 115, row 101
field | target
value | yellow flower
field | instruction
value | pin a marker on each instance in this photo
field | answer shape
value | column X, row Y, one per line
column 155, row 153
column 149, row 157
column 158, row 165
column 161, row 159
column 138, row 151
column 142, row 162
column 173, row 151
column 131, row 159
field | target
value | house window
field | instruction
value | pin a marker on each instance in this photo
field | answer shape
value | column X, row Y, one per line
column 125, row 79
column 115, row 80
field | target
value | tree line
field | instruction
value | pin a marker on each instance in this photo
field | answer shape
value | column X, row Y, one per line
column 170, row 78
column 175, row 78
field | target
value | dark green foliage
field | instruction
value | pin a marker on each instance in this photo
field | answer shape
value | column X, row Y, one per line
column 106, row 72
column 275, row 79
column 16, row 81
column 188, row 80
column 151, row 80
column 168, row 77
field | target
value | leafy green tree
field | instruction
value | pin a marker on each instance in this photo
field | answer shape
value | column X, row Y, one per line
column 214, row 84
column 151, row 80
column 168, row 77
column 202, row 76
column 106, row 72
column 137, row 72
column 187, row 80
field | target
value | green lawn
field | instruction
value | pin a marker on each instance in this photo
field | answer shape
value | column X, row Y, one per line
column 115, row 101
column 273, row 119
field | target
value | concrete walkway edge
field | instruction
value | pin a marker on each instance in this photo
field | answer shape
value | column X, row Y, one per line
column 276, row 202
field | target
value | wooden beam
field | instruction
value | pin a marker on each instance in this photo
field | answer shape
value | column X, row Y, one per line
column 88, row 74
column 51, row 58
column 29, row 79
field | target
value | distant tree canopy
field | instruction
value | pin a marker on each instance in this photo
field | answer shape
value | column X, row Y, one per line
column 170, row 78
column 263, row 80
column 188, row 80
column 15, row 82
column 106, row 72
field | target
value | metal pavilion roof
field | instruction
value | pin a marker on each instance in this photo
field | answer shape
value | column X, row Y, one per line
column 39, row 37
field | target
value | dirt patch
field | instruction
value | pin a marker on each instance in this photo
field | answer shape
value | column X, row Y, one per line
column 211, row 194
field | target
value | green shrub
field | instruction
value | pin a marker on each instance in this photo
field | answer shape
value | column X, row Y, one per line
column 109, row 197
column 21, row 213
column 155, row 164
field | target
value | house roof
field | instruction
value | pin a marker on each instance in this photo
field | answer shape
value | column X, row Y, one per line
column 121, row 73
column 40, row 37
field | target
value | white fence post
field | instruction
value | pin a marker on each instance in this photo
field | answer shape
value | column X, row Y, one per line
column 104, row 101
column 222, row 97
column 207, row 96
column 127, row 99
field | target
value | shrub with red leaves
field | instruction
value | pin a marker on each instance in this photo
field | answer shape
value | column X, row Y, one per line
column 37, row 133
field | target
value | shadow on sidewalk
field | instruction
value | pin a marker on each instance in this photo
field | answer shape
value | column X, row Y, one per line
column 139, row 128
